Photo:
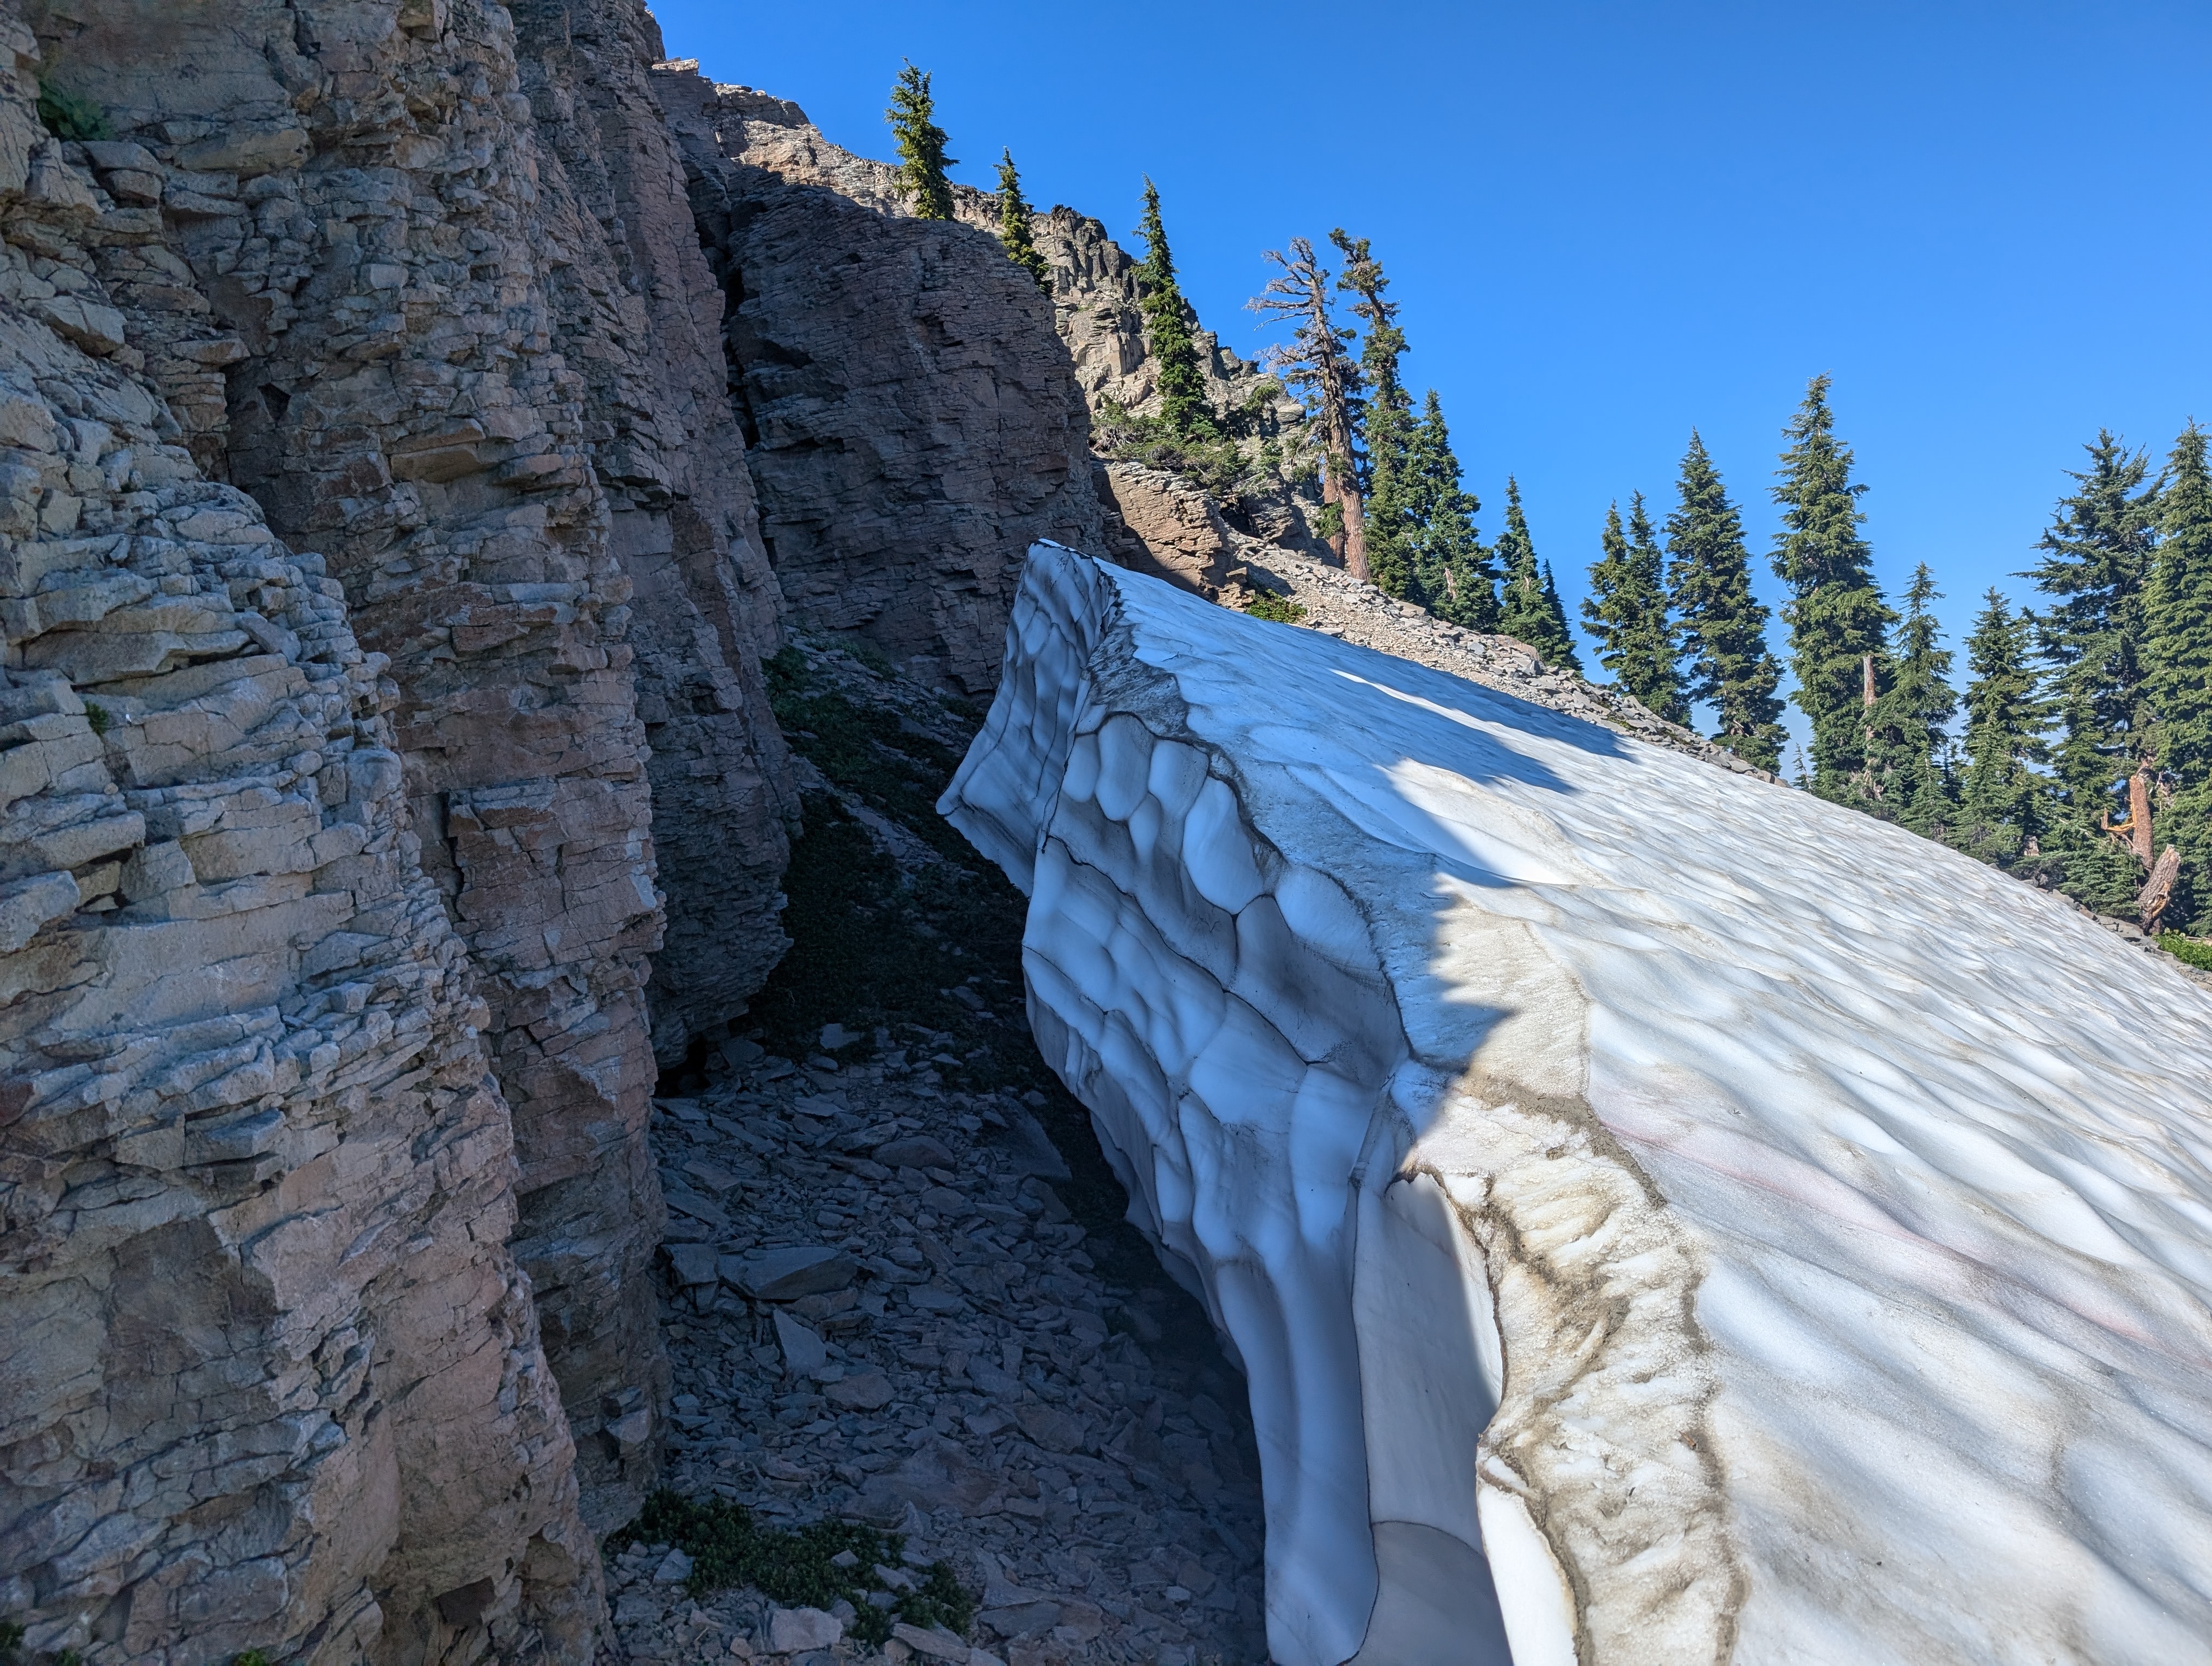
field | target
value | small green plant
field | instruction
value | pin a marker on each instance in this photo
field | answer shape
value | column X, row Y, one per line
column 252, row 1657
column 728, row 1548
column 1281, row 609
column 11, row 1640
column 69, row 116
column 2187, row 949
column 98, row 715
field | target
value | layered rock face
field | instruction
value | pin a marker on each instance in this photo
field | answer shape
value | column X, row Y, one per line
column 1663, row 1217
column 272, row 1378
column 914, row 422
column 427, row 289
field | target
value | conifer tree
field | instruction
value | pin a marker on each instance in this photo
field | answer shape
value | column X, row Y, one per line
column 1167, row 334
column 2002, row 799
column 1014, row 232
column 2096, row 562
column 1386, row 426
column 1528, row 602
column 1627, row 611
column 1453, row 577
column 1724, row 624
column 1910, row 766
column 920, row 143
column 2178, row 663
column 1316, row 361
column 1837, row 617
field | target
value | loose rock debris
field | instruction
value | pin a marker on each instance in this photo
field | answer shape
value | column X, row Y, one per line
column 880, row 1311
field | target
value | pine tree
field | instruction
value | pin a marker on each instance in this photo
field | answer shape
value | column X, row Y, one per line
column 2002, row 799
column 1389, row 509
column 1724, row 624
column 1909, row 764
column 1627, row 611
column 1316, row 362
column 2096, row 562
column 920, row 143
column 1837, row 617
column 1528, row 603
column 1014, row 232
column 1168, row 331
column 1453, row 576
column 2178, row 666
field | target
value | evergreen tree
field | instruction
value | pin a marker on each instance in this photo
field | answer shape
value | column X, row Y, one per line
column 1385, row 437
column 920, row 143
column 1836, row 614
column 1724, row 624
column 2003, row 797
column 1014, row 233
column 1910, row 763
column 1627, row 611
column 1528, row 603
column 2178, row 663
column 1453, row 576
column 1317, row 363
column 2097, row 558
column 1168, row 332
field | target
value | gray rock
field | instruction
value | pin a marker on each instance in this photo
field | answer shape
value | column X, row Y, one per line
column 803, row 1353
column 916, row 1152
column 790, row 1630
column 785, row 1275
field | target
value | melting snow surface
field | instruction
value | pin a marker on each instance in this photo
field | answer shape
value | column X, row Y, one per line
column 1662, row 1217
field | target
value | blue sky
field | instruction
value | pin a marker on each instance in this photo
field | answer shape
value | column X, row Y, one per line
column 1609, row 223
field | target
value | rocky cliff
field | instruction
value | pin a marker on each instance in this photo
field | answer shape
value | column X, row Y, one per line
column 913, row 418
column 273, row 1376
column 1093, row 301
column 352, row 899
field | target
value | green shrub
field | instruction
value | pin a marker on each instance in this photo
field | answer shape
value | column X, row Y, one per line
column 2187, row 949
column 1280, row 609
column 796, row 1566
column 98, row 715
column 67, row 116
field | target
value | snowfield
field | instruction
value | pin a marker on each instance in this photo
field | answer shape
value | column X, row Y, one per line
column 1662, row 1217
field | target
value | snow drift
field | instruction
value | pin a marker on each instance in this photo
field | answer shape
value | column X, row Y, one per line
column 1662, row 1217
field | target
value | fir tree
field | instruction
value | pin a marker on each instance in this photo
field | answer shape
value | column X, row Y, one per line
column 1390, row 507
column 1724, row 625
column 1014, row 232
column 1168, row 333
column 2096, row 562
column 1316, row 363
column 1836, row 614
column 2002, row 798
column 2178, row 663
column 1528, row 604
column 1454, row 575
column 1910, row 765
column 1627, row 611
column 920, row 143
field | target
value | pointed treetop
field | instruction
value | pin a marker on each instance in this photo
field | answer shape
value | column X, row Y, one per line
column 920, row 143
column 1015, row 233
column 1168, row 331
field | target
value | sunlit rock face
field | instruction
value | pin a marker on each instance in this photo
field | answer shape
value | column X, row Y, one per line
column 1662, row 1217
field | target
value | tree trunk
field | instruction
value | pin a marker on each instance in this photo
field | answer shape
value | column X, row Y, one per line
column 2151, row 904
column 1355, row 535
column 2139, row 815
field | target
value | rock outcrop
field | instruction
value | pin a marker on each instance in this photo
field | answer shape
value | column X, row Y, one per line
column 272, row 1375
column 914, row 422
column 1662, row 1217
column 427, row 289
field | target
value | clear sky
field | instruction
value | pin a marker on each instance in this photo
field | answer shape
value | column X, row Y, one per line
column 1609, row 223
